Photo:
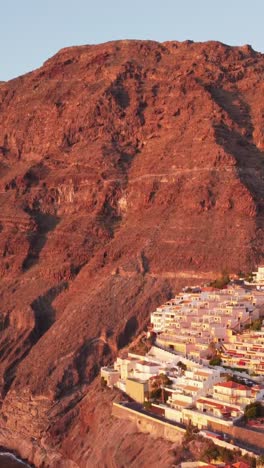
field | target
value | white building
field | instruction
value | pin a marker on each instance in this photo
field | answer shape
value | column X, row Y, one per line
column 258, row 276
column 110, row 375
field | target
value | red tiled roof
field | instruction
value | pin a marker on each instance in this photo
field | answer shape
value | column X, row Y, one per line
column 210, row 466
column 231, row 384
column 235, row 353
column 241, row 465
column 222, row 407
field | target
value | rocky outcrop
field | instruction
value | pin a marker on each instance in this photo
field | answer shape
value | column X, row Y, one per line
column 127, row 170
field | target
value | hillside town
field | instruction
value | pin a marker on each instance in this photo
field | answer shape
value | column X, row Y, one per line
column 201, row 362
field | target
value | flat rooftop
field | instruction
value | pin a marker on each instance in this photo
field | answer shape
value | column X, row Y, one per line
column 134, row 379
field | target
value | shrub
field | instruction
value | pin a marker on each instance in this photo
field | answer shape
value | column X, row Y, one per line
column 103, row 382
column 182, row 366
column 227, row 456
column 215, row 361
column 249, row 277
column 190, row 433
column 210, row 453
column 220, row 283
column 256, row 325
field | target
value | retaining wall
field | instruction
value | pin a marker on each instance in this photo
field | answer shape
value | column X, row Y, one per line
column 254, row 438
column 149, row 424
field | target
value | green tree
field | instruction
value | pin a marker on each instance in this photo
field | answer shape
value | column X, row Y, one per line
column 165, row 381
column 253, row 410
column 215, row 361
column 156, row 393
column 182, row 366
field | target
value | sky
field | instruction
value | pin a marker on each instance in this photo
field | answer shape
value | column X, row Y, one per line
column 34, row 30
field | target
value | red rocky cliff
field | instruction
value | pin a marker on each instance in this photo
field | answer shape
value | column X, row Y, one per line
column 126, row 170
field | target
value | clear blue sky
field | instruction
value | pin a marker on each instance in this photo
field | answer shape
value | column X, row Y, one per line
column 33, row 30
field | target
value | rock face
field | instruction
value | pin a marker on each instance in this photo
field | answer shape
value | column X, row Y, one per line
column 126, row 170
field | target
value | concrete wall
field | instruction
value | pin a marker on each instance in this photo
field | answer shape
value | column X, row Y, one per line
column 149, row 424
column 248, row 436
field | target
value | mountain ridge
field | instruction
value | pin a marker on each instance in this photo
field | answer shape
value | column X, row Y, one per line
column 127, row 170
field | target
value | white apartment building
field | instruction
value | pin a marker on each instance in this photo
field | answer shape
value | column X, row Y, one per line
column 137, row 367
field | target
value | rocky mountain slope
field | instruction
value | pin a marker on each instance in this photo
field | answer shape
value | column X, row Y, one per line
column 127, row 169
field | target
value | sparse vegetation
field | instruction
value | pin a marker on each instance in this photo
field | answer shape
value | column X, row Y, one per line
column 214, row 452
column 255, row 325
column 190, row 433
column 210, row 453
column 103, row 382
column 221, row 282
column 249, row 277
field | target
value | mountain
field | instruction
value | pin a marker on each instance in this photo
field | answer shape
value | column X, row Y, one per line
column 127, row 170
